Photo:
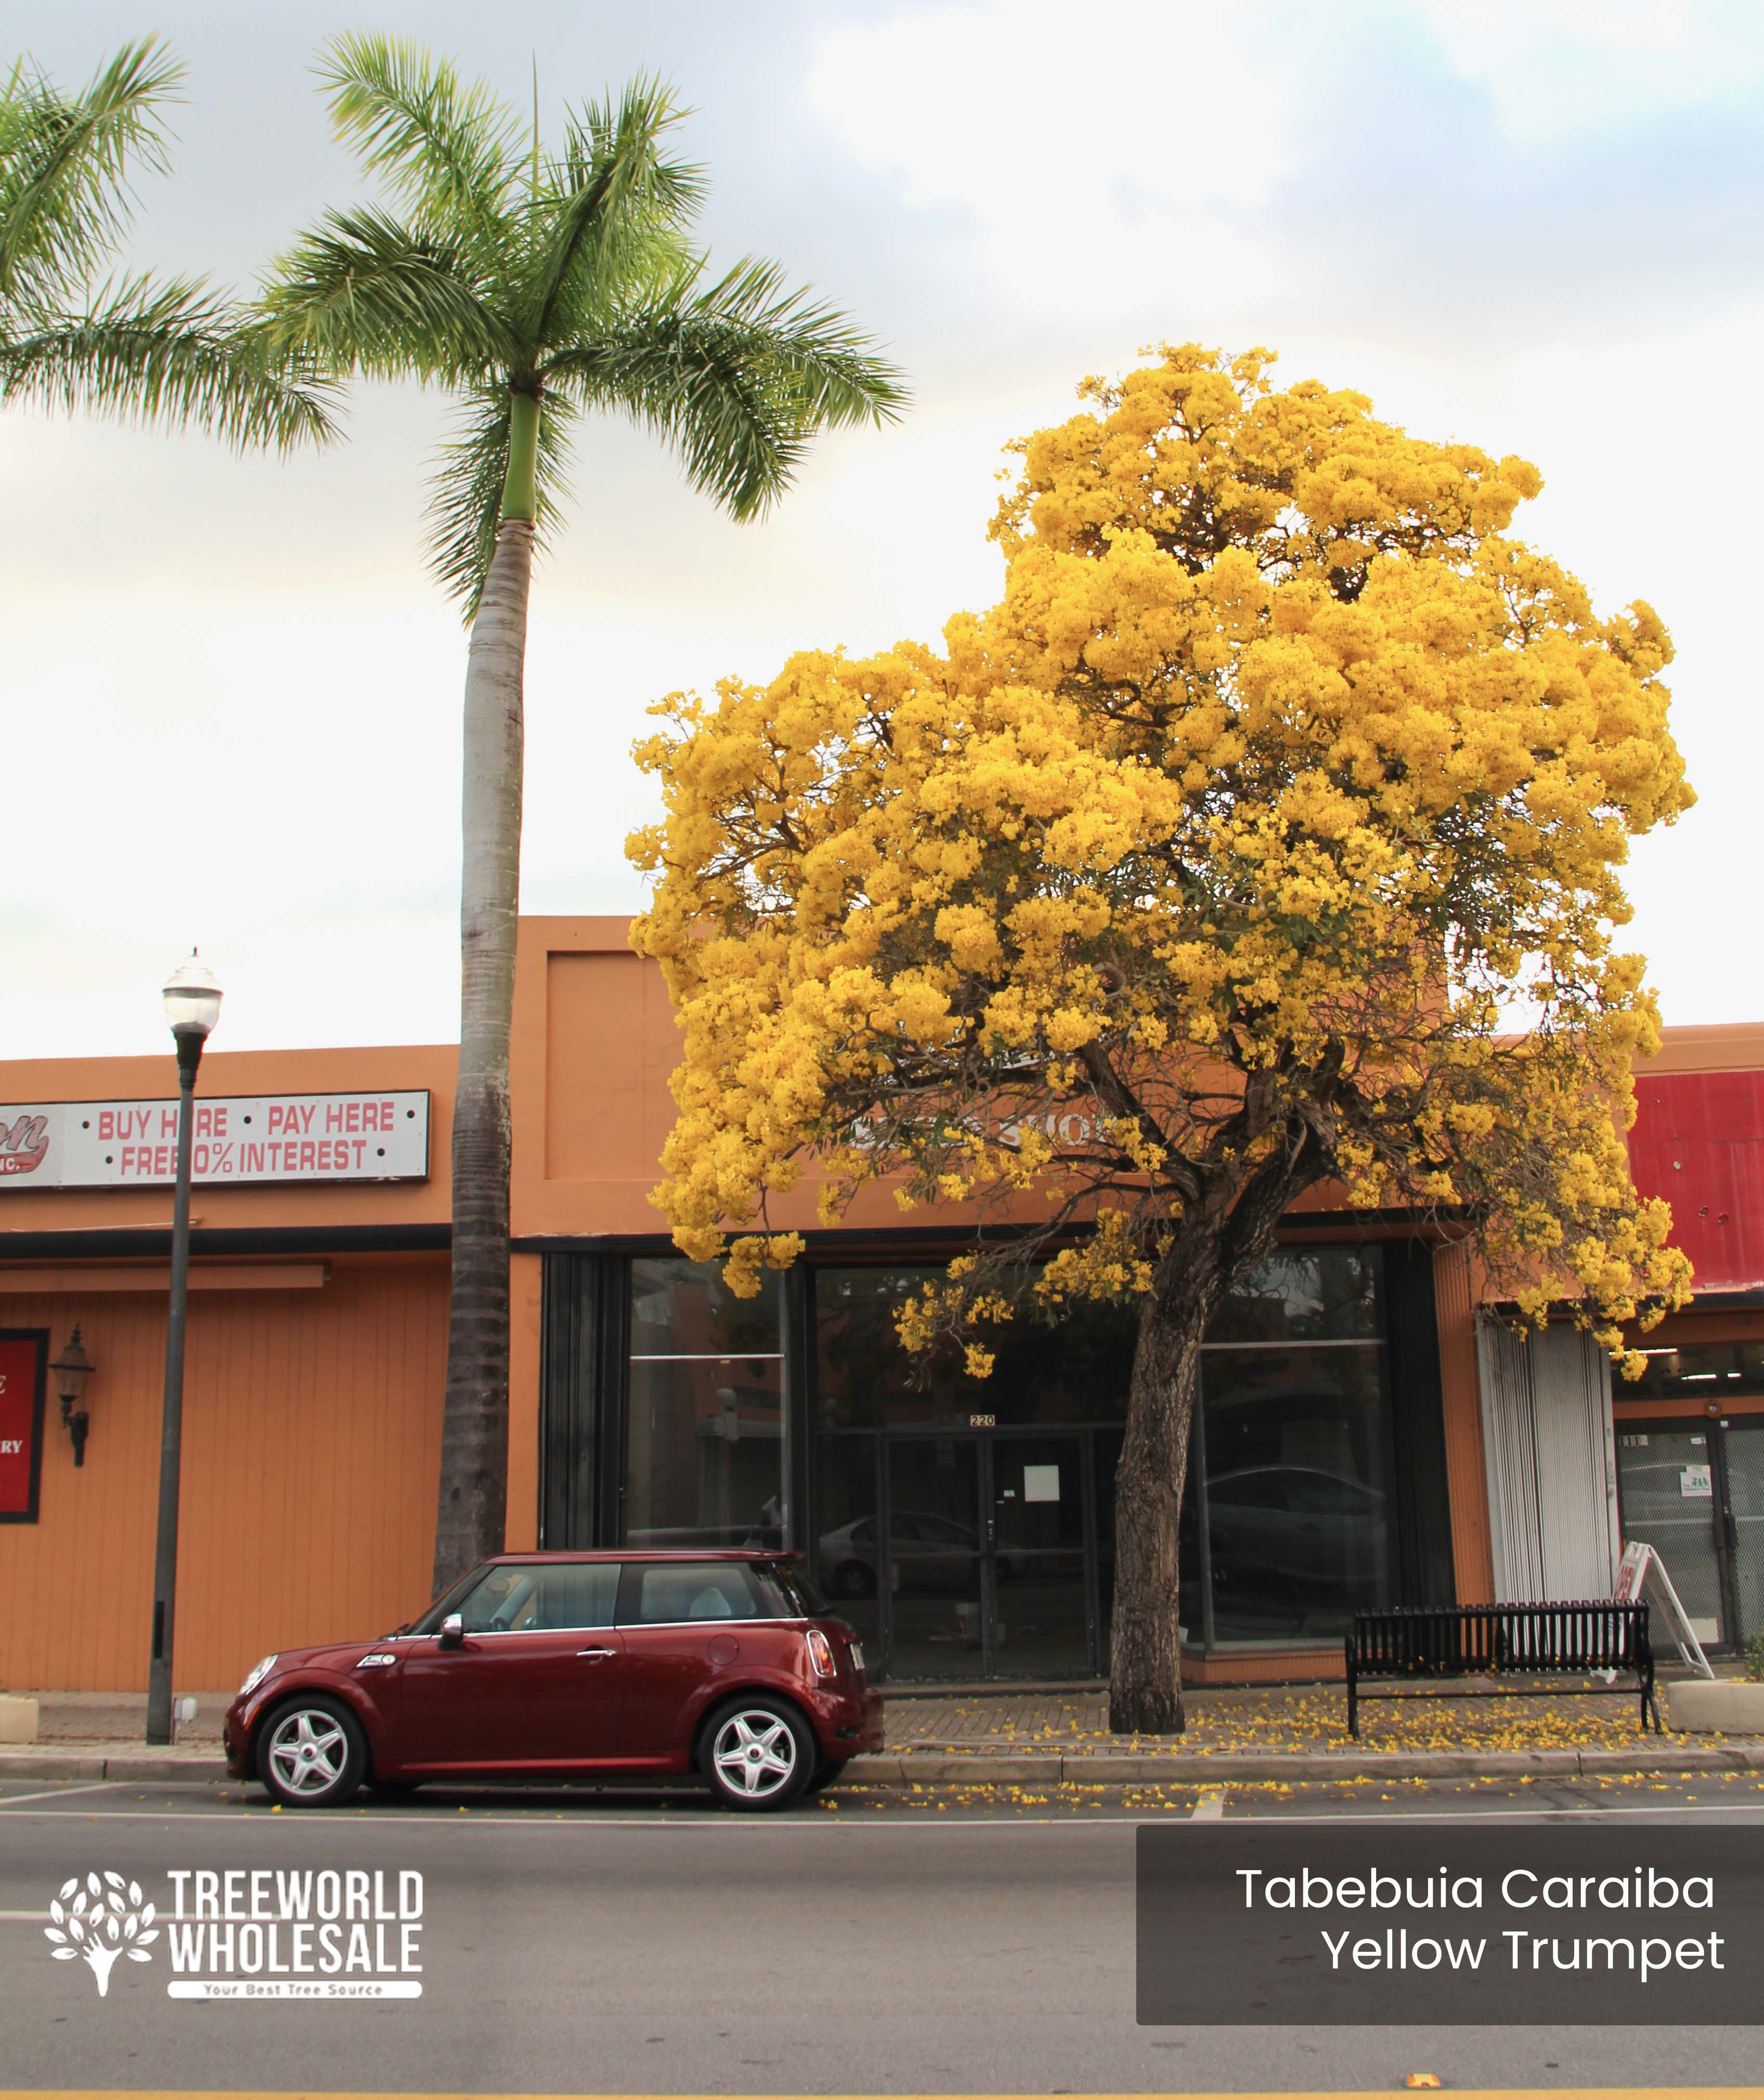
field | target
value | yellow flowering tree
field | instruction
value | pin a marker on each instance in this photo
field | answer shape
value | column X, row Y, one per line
column 1265, row 834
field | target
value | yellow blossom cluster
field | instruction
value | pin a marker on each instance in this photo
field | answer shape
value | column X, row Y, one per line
column 1267, row 831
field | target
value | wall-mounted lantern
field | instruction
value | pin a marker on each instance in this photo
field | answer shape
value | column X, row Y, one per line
column 73, row 1368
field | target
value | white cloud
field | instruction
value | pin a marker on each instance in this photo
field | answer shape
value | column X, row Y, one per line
column 1555, row 67
column 1074, row 146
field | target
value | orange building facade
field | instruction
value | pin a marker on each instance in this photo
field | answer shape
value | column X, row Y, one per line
column 1368, row 1434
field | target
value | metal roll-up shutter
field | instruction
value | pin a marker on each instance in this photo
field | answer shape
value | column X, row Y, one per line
column 1551, row 1461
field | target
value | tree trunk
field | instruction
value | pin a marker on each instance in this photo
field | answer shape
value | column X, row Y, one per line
column 101, row 1960
column 474, row 1434
column 1146, row 1656
column 1219, row 1241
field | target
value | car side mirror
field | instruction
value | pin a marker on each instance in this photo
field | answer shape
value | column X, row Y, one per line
column 452, row 1630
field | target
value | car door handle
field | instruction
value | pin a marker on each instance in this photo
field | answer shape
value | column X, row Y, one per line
column 594, row 1654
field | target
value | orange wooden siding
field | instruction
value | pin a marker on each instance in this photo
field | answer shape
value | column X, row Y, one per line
column 311, row 1453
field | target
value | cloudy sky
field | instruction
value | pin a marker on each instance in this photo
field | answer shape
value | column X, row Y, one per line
column 231, row 696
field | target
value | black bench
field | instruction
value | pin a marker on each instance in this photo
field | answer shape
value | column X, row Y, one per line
column 1498, row 1640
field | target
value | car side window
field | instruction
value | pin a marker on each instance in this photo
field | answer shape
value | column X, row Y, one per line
column 707, row 1589
column 494, row 1605
column 578, row 1597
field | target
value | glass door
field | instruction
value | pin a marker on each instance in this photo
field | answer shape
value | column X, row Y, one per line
column 1669, row 1485
column 1044, row 1602
column 938, row 1581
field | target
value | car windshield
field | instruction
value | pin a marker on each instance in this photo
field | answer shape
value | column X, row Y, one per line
column 429, row 1622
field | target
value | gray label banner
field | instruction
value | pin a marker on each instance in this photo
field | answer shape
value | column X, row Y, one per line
column 1460, row 1923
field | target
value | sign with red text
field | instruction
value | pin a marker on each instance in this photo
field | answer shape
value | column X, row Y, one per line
column 361, row 1137
column 22, row 1357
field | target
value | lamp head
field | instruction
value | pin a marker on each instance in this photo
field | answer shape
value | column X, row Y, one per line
column 71, row 1367
column 192, row 999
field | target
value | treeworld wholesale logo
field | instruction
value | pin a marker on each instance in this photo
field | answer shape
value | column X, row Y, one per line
column 100, row 1923
column 257, row 1933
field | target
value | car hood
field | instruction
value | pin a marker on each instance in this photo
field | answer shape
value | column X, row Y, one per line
column 340, row 1656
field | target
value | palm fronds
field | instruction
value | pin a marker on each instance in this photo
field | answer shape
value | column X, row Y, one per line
column 738, row 378
column 566, row 277
column 162, row 351
column 63, row 163
column 466, row 481
column 449, row 151
column 360, row 290
column 167, row 352
column 612, row 211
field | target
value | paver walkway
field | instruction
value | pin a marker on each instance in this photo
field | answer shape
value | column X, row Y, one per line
column 1302, row 1717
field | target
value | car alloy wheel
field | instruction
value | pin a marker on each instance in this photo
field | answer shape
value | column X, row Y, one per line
column 311, row 1754
column 759, row 1756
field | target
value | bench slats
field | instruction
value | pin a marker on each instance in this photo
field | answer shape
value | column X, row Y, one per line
column 1571, row 1637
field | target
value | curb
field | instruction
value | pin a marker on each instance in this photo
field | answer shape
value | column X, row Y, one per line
column 1103, row 1768
column 31, row 1764
column 1078, row 1768
column 146, row 1765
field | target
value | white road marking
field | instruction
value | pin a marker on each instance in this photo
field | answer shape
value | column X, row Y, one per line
column 22, row 1917
column 538, row 1819
column 57, row 1793
column 1209, row 1807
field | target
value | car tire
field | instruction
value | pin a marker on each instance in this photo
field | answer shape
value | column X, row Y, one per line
column 831, row 1772
column 311, row 1753
column 853, row 1579
column 758, row 1754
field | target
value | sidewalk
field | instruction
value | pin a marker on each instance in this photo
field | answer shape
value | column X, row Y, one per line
column 1284, row 1734
column 995, row 1737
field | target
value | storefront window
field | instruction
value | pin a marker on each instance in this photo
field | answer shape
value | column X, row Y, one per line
column 1299, row 1532
column 1296, row 1434
column 705, row 1440
column 1304, row 1295
column 1705, row 1371
column 1288, row 1524
column 1075, row 1368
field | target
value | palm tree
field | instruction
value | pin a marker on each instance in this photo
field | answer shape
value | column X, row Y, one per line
column 536, row 287
column 166, row 350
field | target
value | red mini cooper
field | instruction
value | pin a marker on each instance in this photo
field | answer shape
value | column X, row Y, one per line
column 570, row 1666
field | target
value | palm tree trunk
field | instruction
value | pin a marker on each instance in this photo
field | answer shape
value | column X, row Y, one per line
column 474, row 1435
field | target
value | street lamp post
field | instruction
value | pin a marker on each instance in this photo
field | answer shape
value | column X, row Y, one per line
column 193, row 1006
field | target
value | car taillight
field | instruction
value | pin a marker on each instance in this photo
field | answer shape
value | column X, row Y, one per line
column 821, row 1653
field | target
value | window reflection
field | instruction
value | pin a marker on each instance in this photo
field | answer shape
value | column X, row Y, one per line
column 1706, row 1371
column 1075, row 1368
column 705, row 1442
column 1304, row 1293
column 1297, row 1470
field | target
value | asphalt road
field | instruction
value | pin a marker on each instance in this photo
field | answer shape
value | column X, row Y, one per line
column 572, row 1943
